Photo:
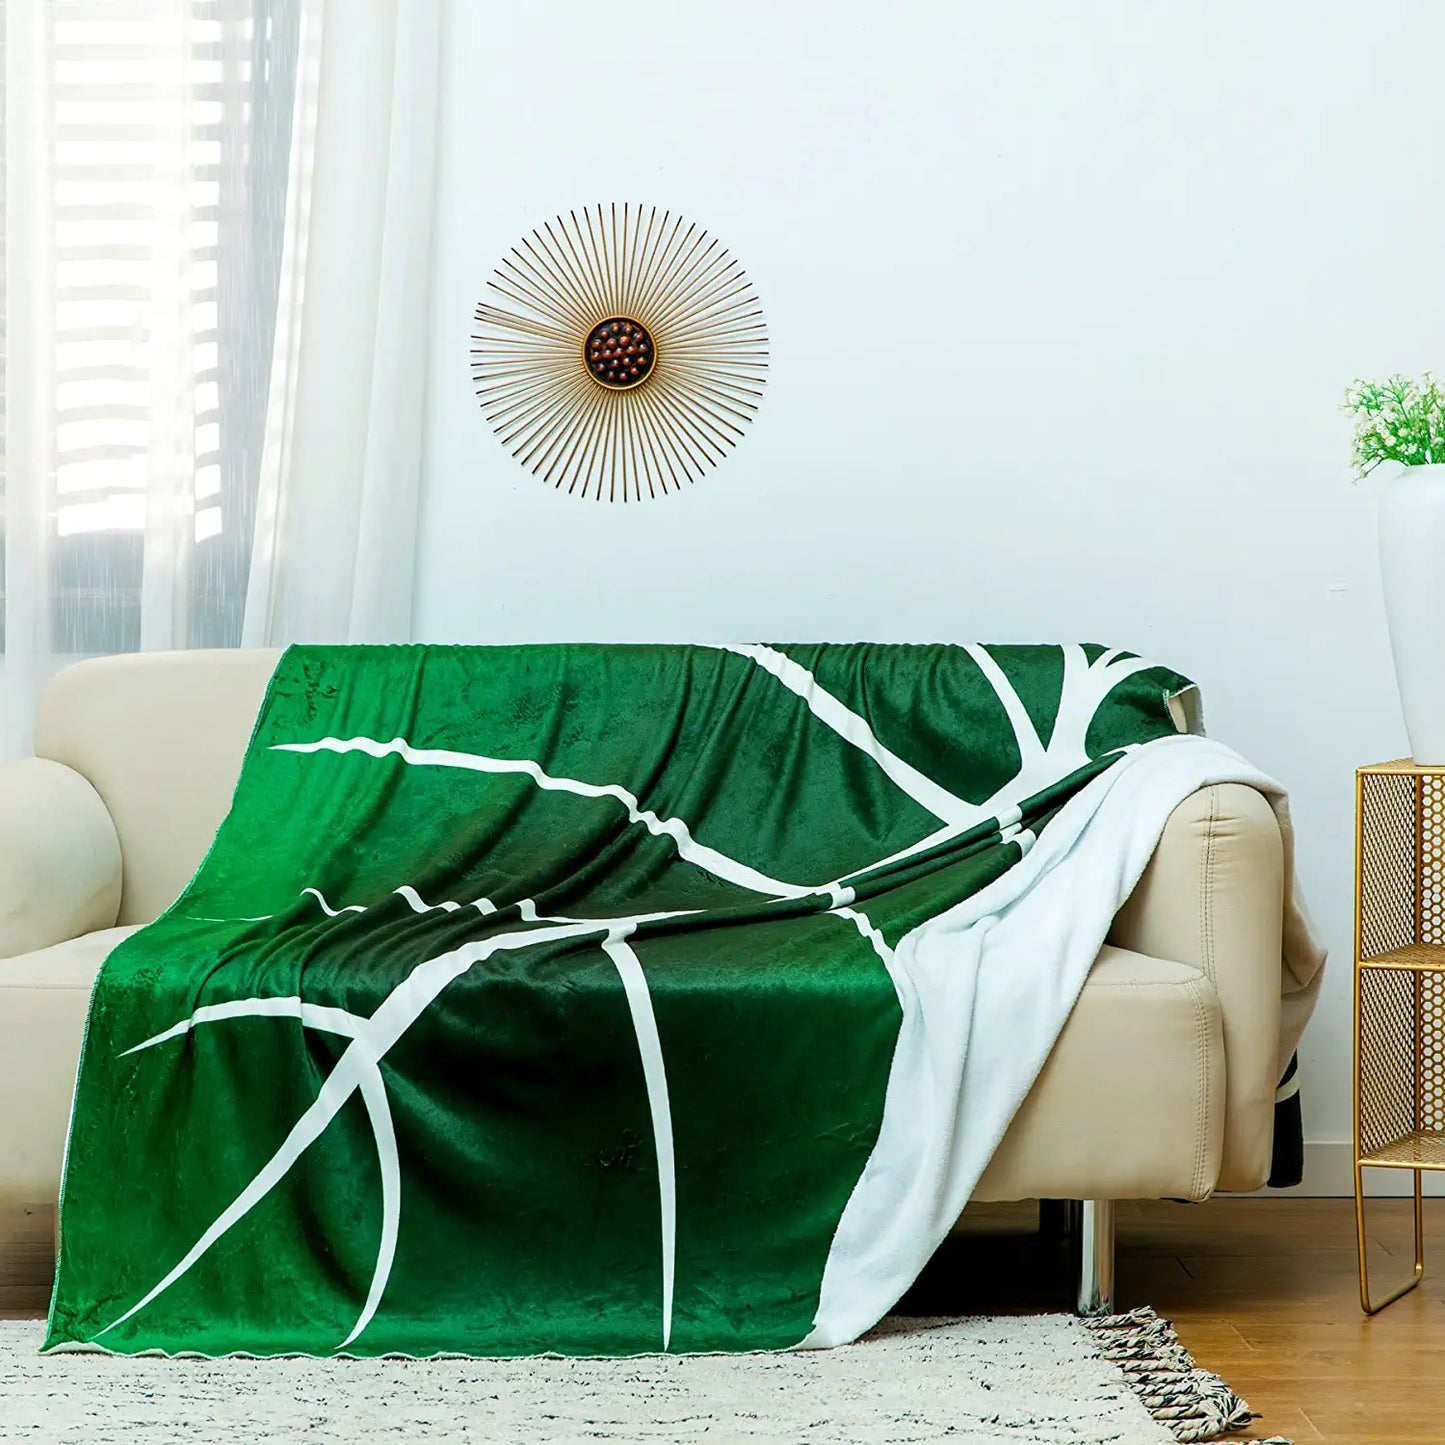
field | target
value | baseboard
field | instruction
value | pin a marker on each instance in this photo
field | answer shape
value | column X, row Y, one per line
column 1330, row 1171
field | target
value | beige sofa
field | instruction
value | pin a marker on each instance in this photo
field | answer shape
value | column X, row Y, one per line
column 1161, row 1086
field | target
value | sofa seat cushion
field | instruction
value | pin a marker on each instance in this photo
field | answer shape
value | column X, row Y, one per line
column 1130, row 1104
column 43, row 1001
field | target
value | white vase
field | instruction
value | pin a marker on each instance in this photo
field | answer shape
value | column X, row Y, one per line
column 1412, row 568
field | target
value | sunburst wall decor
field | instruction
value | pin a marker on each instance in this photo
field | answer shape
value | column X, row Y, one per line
column 625, row 354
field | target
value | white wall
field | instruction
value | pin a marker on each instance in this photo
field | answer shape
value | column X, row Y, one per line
column 1122, row 260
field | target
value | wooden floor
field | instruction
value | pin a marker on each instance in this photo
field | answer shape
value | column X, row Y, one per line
column 1263, row 1291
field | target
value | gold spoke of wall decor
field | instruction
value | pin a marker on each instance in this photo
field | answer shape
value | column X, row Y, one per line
column 621, row 352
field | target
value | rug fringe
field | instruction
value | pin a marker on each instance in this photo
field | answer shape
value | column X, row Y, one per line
column 1191, row 1403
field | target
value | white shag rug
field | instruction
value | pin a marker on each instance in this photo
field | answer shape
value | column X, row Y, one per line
column 1039, row 1380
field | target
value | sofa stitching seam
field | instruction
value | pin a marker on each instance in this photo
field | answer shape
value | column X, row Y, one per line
column 1206, row 888
column 1206, row 952
column 1147, row 982
column 1201, row 1021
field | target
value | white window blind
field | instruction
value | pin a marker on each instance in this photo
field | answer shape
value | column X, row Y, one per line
column 156, row 160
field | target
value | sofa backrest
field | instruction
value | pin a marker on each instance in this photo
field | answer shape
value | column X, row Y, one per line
column 160, row 736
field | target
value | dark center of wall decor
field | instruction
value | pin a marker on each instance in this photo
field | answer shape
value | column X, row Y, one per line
column 621, row 352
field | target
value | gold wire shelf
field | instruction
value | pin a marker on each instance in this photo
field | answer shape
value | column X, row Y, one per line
column 1419, row 1149
column 1425, row 956
column 1399, row 988
column 1401, row 768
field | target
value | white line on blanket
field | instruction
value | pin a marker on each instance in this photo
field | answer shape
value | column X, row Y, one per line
column 373, row 1097
column 864, row 925
column 855, row 729
column 649, row 1045
column 526, row 908
column 418, row 904
column 674, row 828
column 414, row 899
column 1085, row 685
column 328, row 910
column 369, row 1044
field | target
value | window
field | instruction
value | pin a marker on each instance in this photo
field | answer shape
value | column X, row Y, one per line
column 156, row 198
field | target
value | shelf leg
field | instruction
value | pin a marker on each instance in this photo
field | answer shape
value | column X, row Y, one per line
column 1419, row 1274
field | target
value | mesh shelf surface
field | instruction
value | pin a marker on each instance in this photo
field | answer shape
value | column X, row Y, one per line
column 1419, row 1149
column 1401, row 979
column 1387, row 865
column 1399, row 989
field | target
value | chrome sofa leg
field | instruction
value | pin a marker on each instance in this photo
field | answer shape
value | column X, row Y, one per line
column 1095, row 1235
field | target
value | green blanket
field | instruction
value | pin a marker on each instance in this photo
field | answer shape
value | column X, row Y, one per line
column 545, row 998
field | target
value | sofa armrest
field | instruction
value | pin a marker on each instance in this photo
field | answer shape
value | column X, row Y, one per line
column 1213, row 897
column 59, row 857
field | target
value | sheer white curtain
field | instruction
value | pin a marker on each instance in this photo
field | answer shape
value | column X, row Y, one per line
column 217, row 219
column 336, row 531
